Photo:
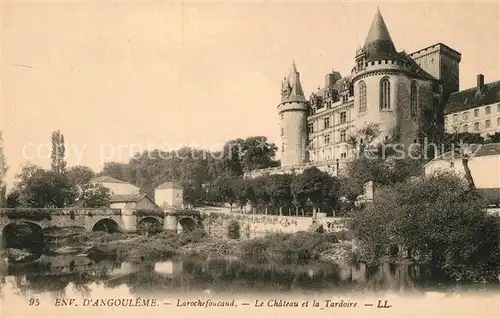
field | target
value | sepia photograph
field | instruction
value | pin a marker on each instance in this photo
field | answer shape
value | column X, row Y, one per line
column 249, row 159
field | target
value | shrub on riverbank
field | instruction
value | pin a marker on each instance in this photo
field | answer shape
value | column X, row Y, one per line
column 297, row 248
column 440, row 220
column 135, row 247
column 233, row 230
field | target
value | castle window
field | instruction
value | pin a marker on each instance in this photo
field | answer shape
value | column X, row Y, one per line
column 326, row 122
column 476, row 112
column 345, row 98
column 343, row 117
column 282, row 147
column 465, row 128
column 487, row 110
column 455, row 118
column 327, row 139
column 413, row 99
column 498, row 121
column 282, row 131
column 310, row 127
column 476, row 126
column 385, row 94
column 281, row 116
column 487, row 123
column 362, row 97
column 466, row 115
column 343, row 156
column 342, row 136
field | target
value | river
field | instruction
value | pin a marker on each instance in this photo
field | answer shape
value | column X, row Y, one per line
column 56, row 274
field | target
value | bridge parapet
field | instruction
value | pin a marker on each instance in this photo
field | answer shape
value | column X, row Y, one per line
column 27, row 212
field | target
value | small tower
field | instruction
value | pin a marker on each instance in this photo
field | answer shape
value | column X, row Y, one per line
column 293, row 111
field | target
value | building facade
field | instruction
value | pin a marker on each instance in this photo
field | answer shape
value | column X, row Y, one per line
column 482, row 160
column 400, row 92
column 474, row 110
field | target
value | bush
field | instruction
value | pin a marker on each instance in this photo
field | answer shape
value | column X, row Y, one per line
column 233, row 229
column 440, row 220
column 255, row 250
column 297, row 248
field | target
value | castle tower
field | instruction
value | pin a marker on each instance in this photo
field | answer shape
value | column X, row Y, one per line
column 293, row 111
column 386, row 84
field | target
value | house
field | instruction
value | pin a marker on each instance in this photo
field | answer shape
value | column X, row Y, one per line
column 484, row 164
column 116, row 187
column 169, row 194
column 133, row 201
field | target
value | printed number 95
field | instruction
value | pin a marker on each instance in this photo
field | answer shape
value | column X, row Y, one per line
column 34, row 302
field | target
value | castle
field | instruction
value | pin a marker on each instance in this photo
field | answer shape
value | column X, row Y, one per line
column 403, row 93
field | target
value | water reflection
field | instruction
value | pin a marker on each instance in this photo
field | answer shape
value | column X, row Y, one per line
column 55, row 273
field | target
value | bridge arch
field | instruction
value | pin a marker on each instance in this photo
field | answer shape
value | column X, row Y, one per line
column 187, row 223
column 150, row 224
column 23, row 234
column 106, row 225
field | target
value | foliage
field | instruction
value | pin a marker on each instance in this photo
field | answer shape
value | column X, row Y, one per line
column 58, row 163
column 297, row 248
column 195, row 169
column 233, row 230
column 80, row 175
column 94, row 196
column 278, row 187
column 316, row 186
column 439, row 220
column 39, row 188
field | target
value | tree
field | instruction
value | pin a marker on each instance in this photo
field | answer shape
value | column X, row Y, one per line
column 94, row 196
column 80, row 175
column 223, row 190
column 3, row 171
column 363, row 137
column 439, row 220
column 258, row 153
column 279, row 191
column 243, row 191
column 39, row 188
column 494, row 138
column 313, row 185
column 262, row 198
column 58, row 153
column 118, row 170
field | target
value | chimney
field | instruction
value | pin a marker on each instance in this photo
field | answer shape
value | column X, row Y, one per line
column 480, row 81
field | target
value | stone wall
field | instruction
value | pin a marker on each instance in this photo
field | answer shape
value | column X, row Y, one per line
column 259, row 225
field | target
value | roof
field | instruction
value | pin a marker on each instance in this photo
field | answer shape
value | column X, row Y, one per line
column 107, row 179
column 295, row 91
column 472, row 97
column 169, row 185
column 492, row 195
column 484, row 150
column 415, row 68
column 128, row 198
column 378, row 44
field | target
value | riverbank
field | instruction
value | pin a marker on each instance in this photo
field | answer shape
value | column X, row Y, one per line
column 298, row 248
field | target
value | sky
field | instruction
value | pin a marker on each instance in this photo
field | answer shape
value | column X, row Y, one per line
column 116, row 78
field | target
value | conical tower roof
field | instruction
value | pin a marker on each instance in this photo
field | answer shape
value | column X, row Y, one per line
column 295, row 91
column 378, row 44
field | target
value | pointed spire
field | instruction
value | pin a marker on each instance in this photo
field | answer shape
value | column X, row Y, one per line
column 294, row 91
column 378, row 44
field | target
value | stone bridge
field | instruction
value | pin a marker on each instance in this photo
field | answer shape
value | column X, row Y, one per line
column 109, row 220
